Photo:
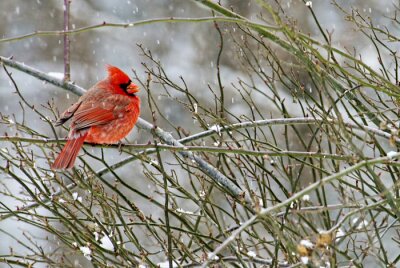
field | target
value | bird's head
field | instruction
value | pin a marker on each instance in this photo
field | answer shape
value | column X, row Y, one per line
column 121, row 82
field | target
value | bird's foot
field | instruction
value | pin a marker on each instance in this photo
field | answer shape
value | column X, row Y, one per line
column 120, row 145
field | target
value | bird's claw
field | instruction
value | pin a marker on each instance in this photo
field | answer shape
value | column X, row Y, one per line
column 120, row 145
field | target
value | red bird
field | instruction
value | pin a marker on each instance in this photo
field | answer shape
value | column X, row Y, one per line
column 106, row 113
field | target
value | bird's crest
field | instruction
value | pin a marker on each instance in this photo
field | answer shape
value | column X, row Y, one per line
column 116, row 75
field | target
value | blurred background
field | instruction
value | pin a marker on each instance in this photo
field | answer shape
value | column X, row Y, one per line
column 187, row 50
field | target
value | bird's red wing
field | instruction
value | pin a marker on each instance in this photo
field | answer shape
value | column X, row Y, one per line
column 91, row 116
column 99, row 112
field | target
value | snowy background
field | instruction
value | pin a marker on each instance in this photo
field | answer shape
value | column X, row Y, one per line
column 184, row 49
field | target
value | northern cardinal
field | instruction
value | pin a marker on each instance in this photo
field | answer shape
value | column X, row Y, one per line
column 106, row 113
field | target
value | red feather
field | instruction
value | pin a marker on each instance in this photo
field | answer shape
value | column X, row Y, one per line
column 92, row 117
column 66, row 158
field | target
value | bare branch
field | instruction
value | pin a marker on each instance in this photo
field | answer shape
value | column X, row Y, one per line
column 67, row 71
column 133, row 24
column 166, row 137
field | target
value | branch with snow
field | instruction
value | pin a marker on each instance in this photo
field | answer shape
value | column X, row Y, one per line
column 166, row 137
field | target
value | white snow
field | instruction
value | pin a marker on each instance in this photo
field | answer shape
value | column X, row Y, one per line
column 153, row 163
column 202, row 194
column 307, row 243
column 76, row 197
column 166, row 264
column 251, row 254
column 182, row 211
column 56, row 75
column 361, row 225
column 340, row 233
column 105, row 242
column 304, row 260
column 261, row 202
column 87, row 252
column 216, row 128
column 391, row 154
column 209, row 255
column 96, row 236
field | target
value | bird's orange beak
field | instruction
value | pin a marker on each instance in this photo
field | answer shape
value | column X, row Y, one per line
column 132, row 88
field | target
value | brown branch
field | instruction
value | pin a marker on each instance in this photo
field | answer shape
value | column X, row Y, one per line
column 67, row 71
column 134, row 24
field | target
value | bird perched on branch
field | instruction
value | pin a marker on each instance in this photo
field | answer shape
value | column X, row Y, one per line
column 106, row 113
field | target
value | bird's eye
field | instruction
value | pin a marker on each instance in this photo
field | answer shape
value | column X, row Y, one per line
column 125, row 85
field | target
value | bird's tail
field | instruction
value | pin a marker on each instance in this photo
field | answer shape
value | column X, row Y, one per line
column 66, row 158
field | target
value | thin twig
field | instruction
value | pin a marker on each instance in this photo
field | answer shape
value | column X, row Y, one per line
column 134, row 24
column 209, row 149
column 67, row 69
